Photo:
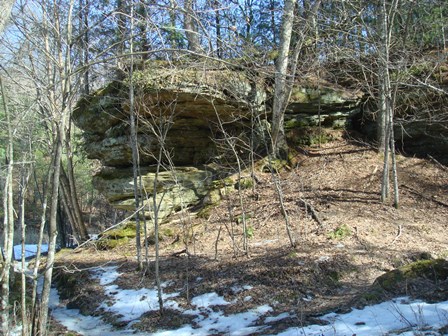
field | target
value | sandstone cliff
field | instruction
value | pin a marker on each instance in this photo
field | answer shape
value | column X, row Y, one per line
column 199, row 116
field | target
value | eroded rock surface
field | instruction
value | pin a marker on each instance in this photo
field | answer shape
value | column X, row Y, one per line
column 192, row 114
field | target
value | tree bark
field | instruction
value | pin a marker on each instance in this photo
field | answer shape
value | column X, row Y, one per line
column 59, row 114
column 8, row 220
column 59, row 139
column 190, row 28
column 279, row 146
column 134, row 148
column 72, row 208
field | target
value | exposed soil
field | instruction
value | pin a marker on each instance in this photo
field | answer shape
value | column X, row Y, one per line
column 331, row 266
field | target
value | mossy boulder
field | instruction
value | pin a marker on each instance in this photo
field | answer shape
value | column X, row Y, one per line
column 434, row 271
column 165, row 234
column 127, row 231
column 424, row 279
column 117, row 237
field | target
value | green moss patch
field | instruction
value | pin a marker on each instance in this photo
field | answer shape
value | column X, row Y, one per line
column 423, row 279
column 127, row 231
column 117, row 237
column 434, row 271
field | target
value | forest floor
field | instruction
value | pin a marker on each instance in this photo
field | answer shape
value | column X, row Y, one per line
column 332, row 265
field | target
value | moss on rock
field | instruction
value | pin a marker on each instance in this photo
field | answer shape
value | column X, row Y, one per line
column 117, row 237
column 434, row 270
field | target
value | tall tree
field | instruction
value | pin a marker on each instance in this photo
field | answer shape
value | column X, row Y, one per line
column 279, row 146
column 8, row 223
column 386, row 112
column 286, row 66
column 60, row 111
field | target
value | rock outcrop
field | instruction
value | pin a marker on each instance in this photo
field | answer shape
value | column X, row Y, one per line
column 194, row 115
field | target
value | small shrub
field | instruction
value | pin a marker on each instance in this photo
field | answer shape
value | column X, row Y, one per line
column 109, row 244
column 341, row 232
column 249, row 232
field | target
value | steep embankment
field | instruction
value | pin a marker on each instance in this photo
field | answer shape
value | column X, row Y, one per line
column 333, row 264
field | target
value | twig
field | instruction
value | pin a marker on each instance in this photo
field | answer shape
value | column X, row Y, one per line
column 438, row 163
column 397, row 236
column 415, row 192
column 111, row 227
column 313, row 211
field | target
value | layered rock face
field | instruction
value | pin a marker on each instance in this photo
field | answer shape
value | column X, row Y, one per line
column 196, row 116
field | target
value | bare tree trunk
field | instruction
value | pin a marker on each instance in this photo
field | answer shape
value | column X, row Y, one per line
column 386, row 102
column 134, row 148
column 84, row 10
column 8, row 222
column 156, row 230
column 191, row 31
column 121, row 29
column 24, row 179
column 79, row 228
column 381, row 120
column 73, row 210
column 385, row 178
column 59, row 118
column 52, row 228
column 394, row 165
column 279, row 147
column 219, row 44
column 34, row 302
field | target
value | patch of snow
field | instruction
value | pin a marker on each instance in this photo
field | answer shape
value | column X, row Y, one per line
column 398, row 315
column 237, row 324
column 106, row 275
column 247, row 298
column 308, row 298
column 131, row 304
column 72, row 319
column 93, row 236
column 208, row 299
column 167, row 284
column 279, row 317
column 237, row 289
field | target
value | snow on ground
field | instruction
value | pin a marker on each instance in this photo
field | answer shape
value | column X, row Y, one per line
column 396, row 317
column 127, row 303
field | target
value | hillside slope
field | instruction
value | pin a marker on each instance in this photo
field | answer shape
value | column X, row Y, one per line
column 332, row 265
